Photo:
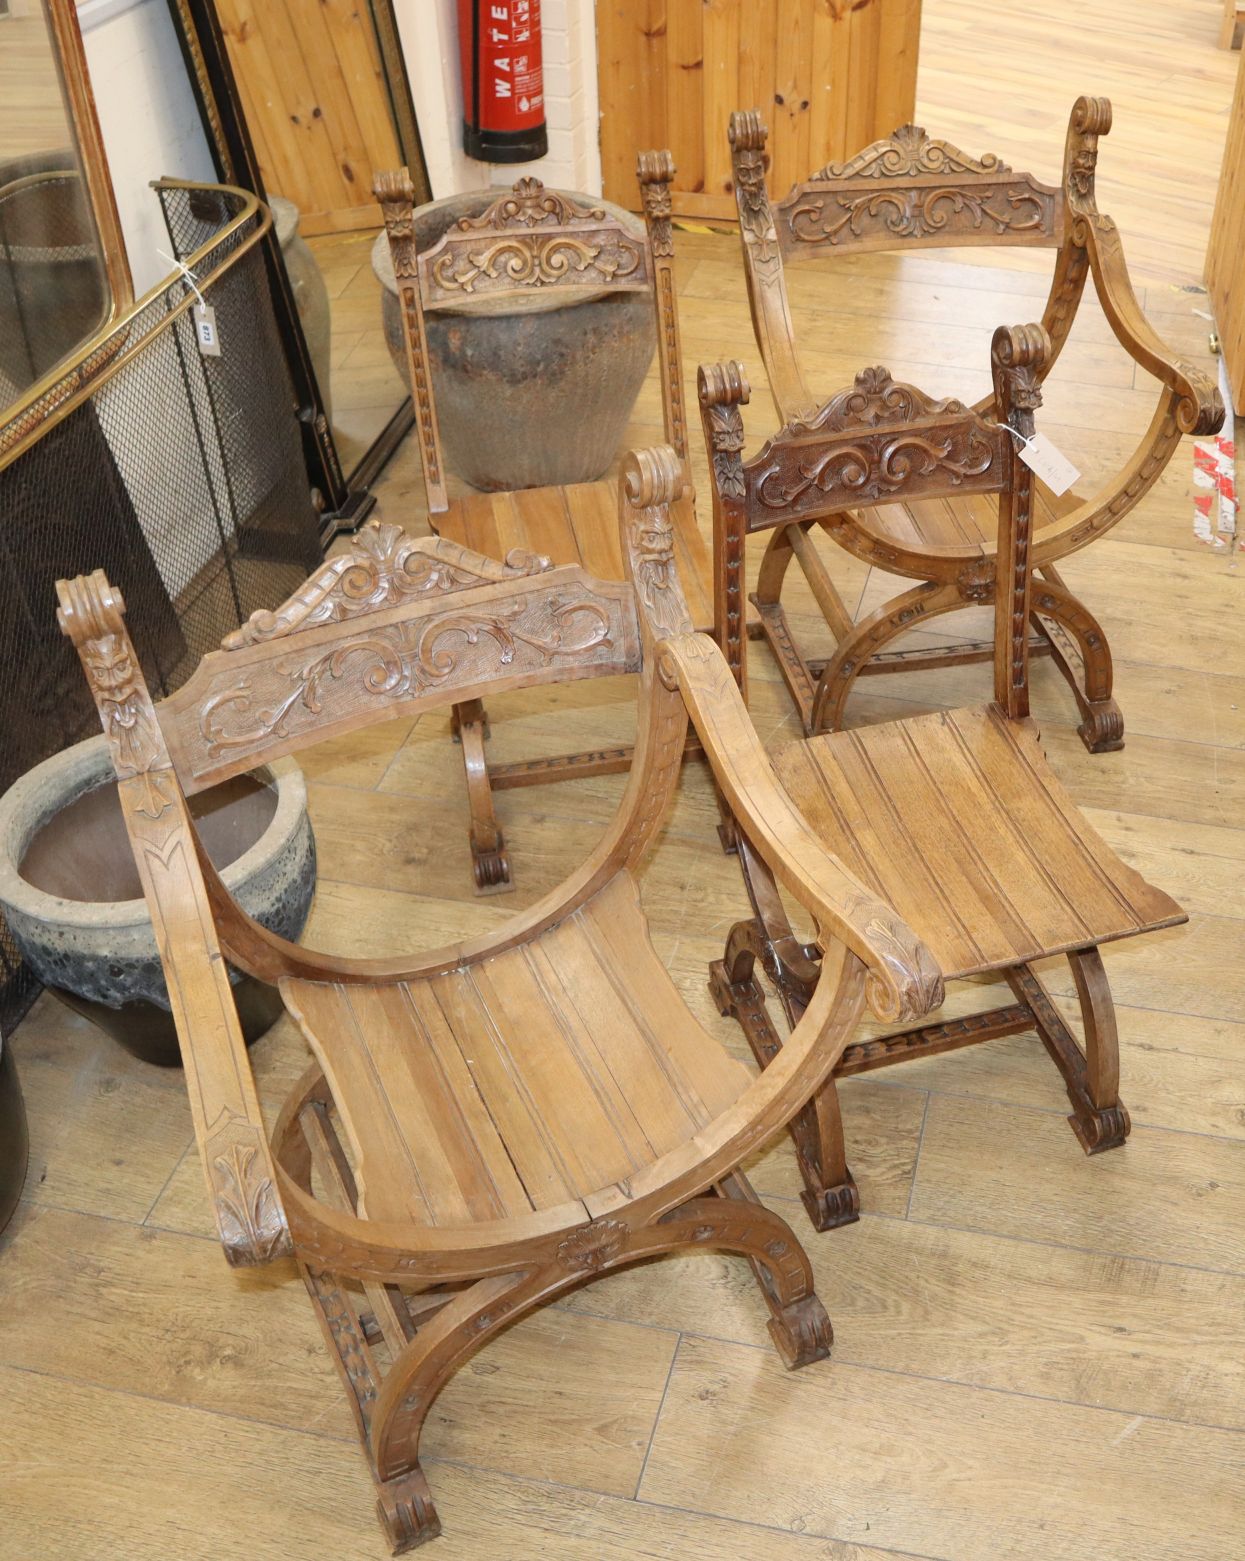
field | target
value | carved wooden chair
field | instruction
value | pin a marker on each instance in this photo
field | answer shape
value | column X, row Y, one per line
column 488, row 1125
column 914, row 192
column 955, row 817
column 500, row 253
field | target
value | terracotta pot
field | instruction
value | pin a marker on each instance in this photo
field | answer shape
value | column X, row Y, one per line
column 534, row 391
column 72, row 898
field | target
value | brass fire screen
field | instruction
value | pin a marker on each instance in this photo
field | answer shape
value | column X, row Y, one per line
column 180, row 474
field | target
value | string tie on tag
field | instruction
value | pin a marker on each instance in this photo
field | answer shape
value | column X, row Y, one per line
column 188, row 276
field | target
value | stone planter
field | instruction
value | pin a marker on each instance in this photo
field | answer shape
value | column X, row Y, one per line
column 311, row 296
column 534, row 391
column 72, row 899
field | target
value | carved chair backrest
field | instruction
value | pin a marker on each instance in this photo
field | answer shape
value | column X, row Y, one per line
column 532, row 240
column 394, row 626
column 879, row 442
column 909, row 190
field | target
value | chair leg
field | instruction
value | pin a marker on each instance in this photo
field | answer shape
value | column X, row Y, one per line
column 1105, row 1124
column 896, row 617
column 392, row 1415
column 830, row 1197
column 773, row 623
column 489, row 861
column 1081, row 653
column 1091, row 1077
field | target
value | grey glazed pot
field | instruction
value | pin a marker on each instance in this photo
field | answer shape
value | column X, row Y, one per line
column 62, row 837
column 530, row 392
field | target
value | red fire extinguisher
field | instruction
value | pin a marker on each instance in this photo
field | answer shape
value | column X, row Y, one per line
column 503, row 83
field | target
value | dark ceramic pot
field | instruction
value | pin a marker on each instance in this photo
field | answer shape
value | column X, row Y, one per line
column 530, row 392
column 14, row 1140
column 72, row 899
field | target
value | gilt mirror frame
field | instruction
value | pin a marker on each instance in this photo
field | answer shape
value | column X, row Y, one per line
column 65, row 41
column 347, row 497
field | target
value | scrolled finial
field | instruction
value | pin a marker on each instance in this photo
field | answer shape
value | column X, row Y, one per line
column 747, row 131
column 1092, row 116
column 653, row 476
column 89, row 607
column 723, row 384
column 655, row 167
column 1021, row 346
column 394, row 185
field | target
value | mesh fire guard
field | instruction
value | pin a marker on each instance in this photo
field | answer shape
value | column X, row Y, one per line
column 180, row 475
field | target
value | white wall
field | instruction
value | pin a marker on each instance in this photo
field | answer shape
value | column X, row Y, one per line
column 148, row 117
column 429, row 32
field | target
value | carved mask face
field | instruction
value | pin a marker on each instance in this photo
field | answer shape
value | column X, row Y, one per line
column 112, row 667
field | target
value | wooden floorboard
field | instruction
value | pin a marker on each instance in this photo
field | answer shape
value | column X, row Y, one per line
column 1037, row 1354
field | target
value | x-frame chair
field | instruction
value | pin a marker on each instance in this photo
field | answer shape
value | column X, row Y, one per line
column 532, row 237
column 491, row 1124
column 915, row 192
column 954, row 817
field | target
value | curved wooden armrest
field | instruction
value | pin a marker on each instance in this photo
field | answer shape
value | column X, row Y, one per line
column 1200, row 407
column 903, row 981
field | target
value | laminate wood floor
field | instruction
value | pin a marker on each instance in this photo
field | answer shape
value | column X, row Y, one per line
column 1038, row 1356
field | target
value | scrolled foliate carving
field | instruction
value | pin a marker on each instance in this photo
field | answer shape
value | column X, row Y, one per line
column 919, row 212
column 524, row 260
column 904, row 980
column 908, row 151
column 399, row 661
column 875, row 400
column 383, row 567
column 528, row 204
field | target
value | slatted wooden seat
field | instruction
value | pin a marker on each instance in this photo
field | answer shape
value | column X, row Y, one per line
column 485, row 1126
column 957, row 820
column 572, row 524
column 911, row 192
column 954, row 818
column 533, row 1078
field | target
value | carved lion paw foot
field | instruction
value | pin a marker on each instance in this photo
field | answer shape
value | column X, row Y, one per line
column 802, row 1333
column 830, row 1207
column 406, row 1512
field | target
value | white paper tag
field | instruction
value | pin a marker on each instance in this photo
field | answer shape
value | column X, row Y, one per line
column 209, row 341
column 1050, row 464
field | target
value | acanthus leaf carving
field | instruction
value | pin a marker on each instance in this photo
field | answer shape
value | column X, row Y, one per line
column 590, row 1248
column 910, row 150
column 399, row 661
column 252, row 1226
column 382, row 568
column 529, row 204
